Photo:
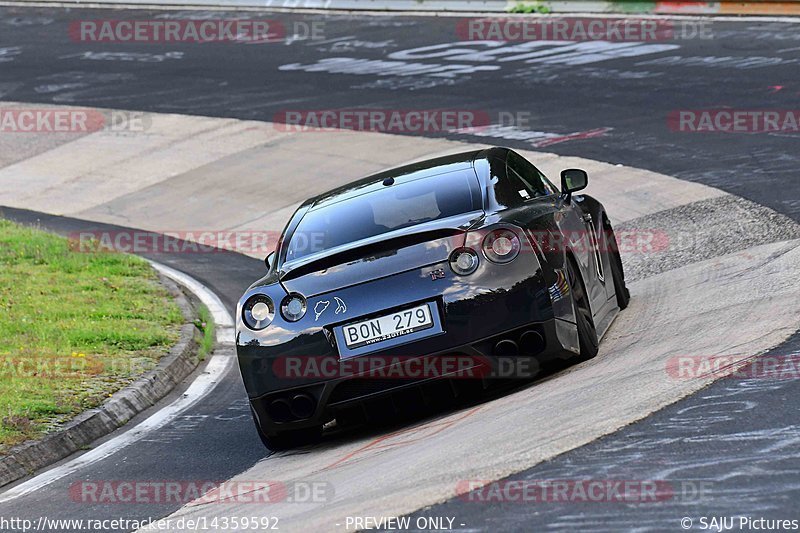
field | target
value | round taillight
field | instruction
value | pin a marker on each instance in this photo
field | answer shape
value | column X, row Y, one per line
column 258, row 312
column 501, row 246
column 293, row 307
column 464, row 261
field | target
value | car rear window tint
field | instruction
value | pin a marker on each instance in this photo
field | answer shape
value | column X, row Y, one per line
column 390, row 208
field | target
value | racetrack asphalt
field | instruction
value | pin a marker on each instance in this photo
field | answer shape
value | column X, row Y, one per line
column 746, row 65
column 631, row 95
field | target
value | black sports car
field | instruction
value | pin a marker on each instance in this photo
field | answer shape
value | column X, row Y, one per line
column 436, row 270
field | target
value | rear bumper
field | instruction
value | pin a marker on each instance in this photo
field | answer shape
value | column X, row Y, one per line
column 473, row 361
column 495, row 303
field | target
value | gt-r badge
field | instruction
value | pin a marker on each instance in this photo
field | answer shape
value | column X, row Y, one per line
column 320, row 308
column 341, row 307
column 436, row 274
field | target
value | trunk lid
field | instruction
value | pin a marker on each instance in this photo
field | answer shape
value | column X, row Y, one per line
column 377, row 257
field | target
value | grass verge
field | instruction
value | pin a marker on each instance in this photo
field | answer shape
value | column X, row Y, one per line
column 75, row 327
column 205, row 323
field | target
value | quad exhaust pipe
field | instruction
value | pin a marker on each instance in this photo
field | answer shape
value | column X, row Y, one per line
column 530, row 343
column 280, row 411
column 506, row 347
column 299, row 407
column 302, row 406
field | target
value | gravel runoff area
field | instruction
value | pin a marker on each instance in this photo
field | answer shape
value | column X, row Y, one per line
column 698, row 231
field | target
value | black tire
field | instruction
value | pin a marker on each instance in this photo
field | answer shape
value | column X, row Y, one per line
column 288, row 439
column 587, row 334
column 617, row 274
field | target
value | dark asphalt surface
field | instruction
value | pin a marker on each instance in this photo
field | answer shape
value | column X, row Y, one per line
column 730, row 450
column 739, row 437
column 740, row 68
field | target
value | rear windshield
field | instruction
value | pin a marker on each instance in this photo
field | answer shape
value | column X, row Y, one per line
column 390, row 208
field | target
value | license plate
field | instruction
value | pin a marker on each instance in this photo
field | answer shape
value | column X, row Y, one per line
column 387, row 327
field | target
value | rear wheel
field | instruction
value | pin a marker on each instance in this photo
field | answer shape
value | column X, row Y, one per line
column 587, row 334
column 617, row 274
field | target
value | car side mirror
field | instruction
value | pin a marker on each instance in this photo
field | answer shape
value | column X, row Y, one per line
column 573, row 180
column 269, row 259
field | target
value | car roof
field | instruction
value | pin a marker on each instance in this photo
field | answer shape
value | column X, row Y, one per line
column 412, row 171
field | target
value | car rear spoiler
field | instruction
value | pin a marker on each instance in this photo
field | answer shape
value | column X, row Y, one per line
column 455, row 227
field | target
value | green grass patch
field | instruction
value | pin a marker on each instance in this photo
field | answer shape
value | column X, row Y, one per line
column 205, row 323
column 535, row 7
column 74, row 328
